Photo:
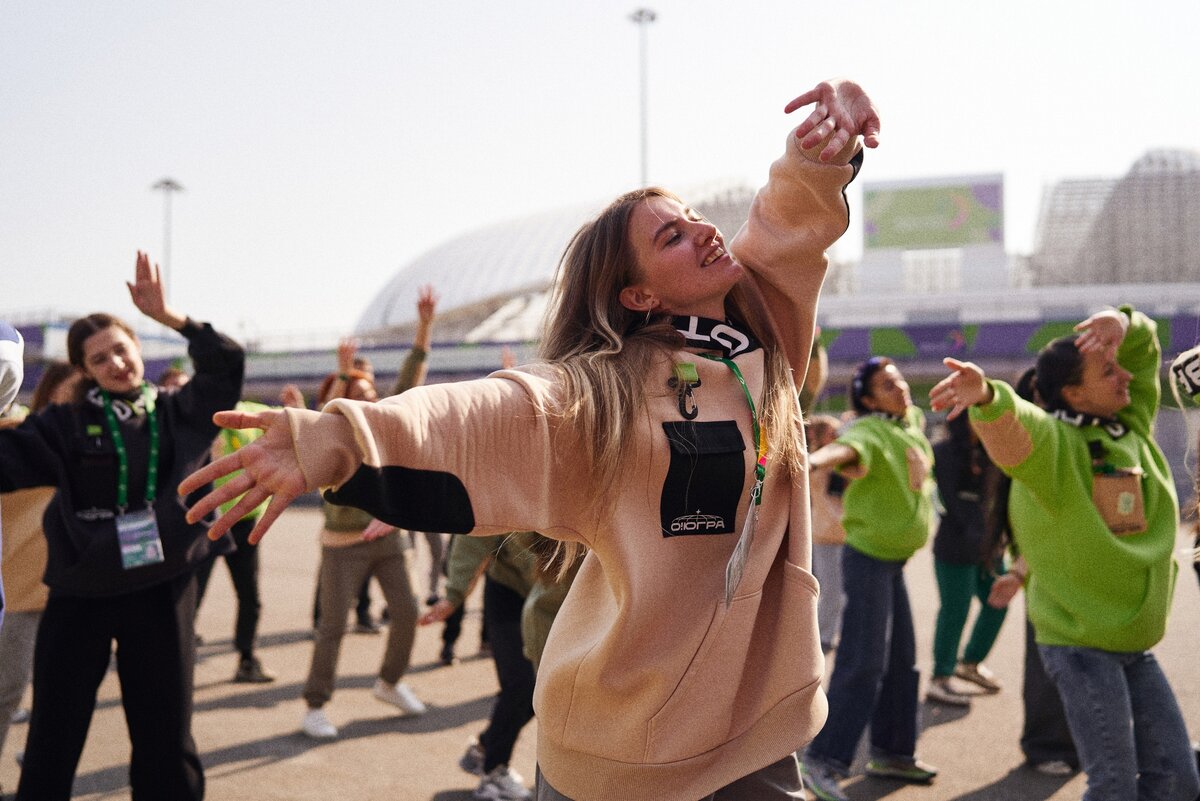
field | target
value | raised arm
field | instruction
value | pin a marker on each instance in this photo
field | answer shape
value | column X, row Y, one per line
column 412, row 372
column 843, row 112
column 802, row 210
column 148, row 293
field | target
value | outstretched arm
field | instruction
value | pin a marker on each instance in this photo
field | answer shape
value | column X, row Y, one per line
column 149, row 294
column 270, row 468
column 843, row 112
column 966, row 386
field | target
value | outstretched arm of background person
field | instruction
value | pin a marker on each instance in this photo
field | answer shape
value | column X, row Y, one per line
column 966, row 386
column 148, row 293
column 835, row 455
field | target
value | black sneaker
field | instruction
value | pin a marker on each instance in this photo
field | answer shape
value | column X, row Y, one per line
column 251, row 671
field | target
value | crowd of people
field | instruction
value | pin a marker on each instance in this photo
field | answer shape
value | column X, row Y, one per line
column 651, row 478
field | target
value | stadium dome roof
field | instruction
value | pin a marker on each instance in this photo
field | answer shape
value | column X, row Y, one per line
column 492, row 281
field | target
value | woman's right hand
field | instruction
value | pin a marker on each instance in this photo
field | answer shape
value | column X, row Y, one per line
column 270, row 469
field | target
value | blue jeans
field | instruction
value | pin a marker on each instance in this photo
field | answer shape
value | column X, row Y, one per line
column 874, row 675
column 1104, row 693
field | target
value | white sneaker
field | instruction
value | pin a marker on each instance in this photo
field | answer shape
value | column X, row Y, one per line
column 317, row 726
column 399, row 696
column 502, row 784
column 943, row 690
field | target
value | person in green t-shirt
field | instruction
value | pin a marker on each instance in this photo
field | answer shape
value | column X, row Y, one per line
column 1094, row 513
column 242, row 563
column 887, row 511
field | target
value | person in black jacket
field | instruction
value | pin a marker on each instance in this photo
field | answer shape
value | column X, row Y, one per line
column 121, row 555
column 963, row 566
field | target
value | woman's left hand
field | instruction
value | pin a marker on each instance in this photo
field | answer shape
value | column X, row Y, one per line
column 270, row 469
column 843, row 111
column 148, row 294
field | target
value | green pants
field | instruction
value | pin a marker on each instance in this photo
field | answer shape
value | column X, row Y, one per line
column 957, row 585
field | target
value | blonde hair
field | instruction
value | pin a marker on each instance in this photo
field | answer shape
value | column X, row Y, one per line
column 605, row 350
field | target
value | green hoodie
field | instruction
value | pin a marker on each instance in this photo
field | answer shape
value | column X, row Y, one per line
column 1088, row 586
column 888, row 510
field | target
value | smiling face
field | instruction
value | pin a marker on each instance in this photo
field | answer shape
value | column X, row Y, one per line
column 683, row 267
column 113, row 360
column 887, row 392
column 1103, row 388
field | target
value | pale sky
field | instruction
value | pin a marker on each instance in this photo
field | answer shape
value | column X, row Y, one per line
column 324, row 145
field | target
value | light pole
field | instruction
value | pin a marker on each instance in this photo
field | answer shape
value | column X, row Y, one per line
column 643, row 17
column 168, row 186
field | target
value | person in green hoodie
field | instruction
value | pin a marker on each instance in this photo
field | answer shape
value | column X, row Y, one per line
column 887, row 513
column 1094, row 513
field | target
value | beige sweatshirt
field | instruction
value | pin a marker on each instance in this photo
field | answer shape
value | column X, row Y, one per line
column 649, row 687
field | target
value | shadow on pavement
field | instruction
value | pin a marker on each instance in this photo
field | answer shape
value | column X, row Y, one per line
column 282, row 747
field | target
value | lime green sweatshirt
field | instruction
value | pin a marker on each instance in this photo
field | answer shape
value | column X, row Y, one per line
column 1089, row 586
column 887, row 512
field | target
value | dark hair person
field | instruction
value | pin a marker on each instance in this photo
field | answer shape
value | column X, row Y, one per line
column 887, row 512
column 1094, row 513
column 121, row 554
column 662, row 432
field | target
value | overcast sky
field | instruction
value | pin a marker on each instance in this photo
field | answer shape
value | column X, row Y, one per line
column 323, row 145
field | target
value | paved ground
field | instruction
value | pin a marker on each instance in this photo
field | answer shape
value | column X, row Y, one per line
column 252, row 750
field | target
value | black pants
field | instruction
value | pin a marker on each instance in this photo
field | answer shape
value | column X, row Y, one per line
column 155, row 659
column 514, row 704
column 1045, row 736
column 243, row 571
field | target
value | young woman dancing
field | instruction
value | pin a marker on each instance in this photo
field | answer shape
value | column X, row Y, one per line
column 662, row 432
column 1094, row 513
column 121, row 557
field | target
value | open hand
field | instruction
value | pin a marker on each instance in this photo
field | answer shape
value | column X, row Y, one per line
column 964, row 387
column 270, row 470
column 149, row 295
column 843, row 111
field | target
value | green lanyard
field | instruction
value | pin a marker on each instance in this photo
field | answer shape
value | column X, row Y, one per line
column 760, row 436
column 123, row 454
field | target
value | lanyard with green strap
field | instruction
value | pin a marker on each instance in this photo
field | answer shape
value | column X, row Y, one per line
column 737, row 561
column 760, row 436
column 114, row 431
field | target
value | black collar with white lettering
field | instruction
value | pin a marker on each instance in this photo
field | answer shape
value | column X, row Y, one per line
column 707, row 334
column 126, row 406
column 1115, row 428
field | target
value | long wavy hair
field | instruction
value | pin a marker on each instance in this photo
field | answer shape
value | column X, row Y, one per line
column 605, row 351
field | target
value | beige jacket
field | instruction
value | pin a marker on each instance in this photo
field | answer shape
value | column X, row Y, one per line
column 649, row 687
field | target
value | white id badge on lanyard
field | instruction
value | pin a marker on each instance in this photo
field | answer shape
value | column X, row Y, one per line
column 138, row 535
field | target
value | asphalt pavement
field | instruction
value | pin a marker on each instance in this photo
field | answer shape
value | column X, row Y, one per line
column 253, row 750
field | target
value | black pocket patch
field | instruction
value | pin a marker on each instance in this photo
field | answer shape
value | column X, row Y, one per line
column 705, row 480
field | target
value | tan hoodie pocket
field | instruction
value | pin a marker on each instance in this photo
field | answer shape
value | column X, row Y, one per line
column 761, row 650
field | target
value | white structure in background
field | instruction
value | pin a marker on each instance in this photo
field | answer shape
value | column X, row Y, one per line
column 1141, row 228
column 493, row 282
